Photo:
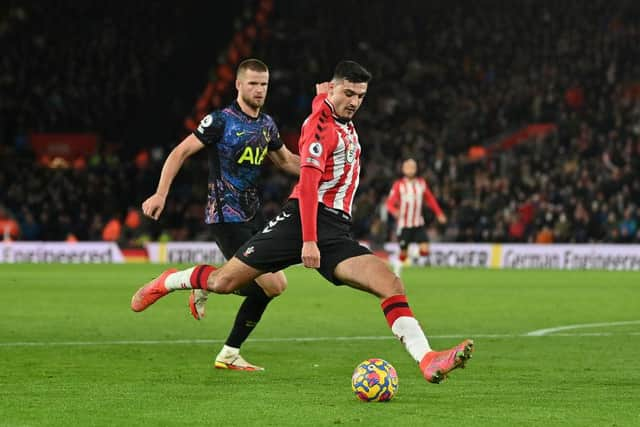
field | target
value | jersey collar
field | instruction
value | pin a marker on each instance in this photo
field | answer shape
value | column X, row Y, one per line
column 236, row 107
column 333, row 112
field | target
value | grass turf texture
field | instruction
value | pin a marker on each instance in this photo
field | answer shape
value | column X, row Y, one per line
column 567, row 378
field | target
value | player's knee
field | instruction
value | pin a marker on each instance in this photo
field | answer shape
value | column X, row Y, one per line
column 390, row 288
column 396, row 287
column 387, row 285
column 276, row 286
column 279, row 288
column 223, row 284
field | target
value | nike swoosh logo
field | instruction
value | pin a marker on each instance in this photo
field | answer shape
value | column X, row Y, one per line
column 240, row 133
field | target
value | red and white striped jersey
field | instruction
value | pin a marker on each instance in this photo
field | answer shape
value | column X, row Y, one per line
column 405, row 201
column 332, row 147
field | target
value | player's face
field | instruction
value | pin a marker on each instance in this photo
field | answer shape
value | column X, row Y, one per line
column 252, row 87
column 347, row 97
column 409, row 168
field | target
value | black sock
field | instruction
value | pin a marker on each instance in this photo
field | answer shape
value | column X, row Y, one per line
column 249, row 314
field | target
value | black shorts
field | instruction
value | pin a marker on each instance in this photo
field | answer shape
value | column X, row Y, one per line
column 231, row 235
column 279, row 244
column 412, row 235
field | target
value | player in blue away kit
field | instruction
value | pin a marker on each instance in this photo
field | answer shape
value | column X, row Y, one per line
column 237, row 138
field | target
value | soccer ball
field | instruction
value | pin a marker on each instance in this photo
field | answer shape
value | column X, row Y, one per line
column 374, row 380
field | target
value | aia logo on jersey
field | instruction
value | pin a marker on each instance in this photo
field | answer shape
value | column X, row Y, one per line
column 253, row 155
column 351, row 152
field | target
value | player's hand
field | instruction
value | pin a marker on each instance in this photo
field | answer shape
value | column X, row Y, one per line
column 310, row 255
column 442, row 219
column 153, row 206
column 322, row 88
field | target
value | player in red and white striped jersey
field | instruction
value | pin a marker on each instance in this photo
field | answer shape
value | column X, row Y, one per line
column 331, row 156
column 315, row 226
column 405, row 203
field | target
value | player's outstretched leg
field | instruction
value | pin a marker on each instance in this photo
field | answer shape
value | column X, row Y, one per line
column 435, row 365
column 368, row 273
column 170, row 280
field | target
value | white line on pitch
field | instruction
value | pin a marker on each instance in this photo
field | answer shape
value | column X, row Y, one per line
column 541, row 332
column 288, row 339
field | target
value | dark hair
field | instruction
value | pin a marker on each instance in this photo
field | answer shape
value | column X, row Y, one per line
column 252, row 64
column 351, row 71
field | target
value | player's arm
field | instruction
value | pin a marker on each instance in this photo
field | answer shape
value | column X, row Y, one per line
column 316, row 144
column 393, row 199
column 286, row 160
column 153, row 206
column 208, row 133
column 309, row 183
column 431, row 201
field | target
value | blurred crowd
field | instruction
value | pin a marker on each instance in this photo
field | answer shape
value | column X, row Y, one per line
column 447, row 77
column 453, row 75
column 75, row 66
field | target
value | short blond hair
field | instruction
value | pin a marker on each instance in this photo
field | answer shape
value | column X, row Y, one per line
column 252, row 64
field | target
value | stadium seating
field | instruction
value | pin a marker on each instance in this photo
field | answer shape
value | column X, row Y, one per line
column 447, row 77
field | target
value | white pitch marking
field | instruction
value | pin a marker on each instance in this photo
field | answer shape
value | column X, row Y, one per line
column 286, row 339
column 542, row 332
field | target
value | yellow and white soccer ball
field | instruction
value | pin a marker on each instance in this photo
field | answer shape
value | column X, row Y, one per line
column 375, row 380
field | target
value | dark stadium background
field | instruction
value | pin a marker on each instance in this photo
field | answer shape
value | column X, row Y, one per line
column 523, row 115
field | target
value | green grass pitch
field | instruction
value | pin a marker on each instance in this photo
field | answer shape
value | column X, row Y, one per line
column 73, row 353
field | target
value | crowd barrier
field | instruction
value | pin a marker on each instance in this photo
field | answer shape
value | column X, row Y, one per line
column 451, row 255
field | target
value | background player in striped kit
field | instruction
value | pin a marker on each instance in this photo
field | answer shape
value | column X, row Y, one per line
column 405, row 203
column 315, row 226
column 237, row 139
